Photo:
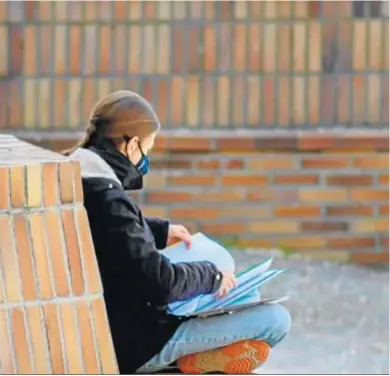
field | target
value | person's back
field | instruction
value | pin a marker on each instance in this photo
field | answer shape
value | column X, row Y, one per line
column 138, row 281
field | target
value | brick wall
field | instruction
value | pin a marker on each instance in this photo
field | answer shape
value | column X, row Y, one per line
column 52, row 313
column 324, row 194
column 202, row 64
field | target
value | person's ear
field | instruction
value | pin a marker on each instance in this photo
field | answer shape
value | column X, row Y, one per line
column 131, row 146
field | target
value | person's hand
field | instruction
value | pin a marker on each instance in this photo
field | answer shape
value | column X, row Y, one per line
column 179, row 233
column 228, row 282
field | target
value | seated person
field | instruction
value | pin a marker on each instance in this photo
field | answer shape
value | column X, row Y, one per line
column 139, row 282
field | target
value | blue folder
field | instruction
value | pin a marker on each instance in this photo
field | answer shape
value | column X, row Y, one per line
column 205, row 249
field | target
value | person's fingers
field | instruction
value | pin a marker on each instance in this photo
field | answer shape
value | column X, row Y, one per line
column 185, row 236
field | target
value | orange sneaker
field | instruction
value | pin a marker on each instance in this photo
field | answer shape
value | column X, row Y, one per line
column 238, row 358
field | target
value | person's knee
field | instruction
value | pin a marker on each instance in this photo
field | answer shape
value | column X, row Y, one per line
column 279, row 324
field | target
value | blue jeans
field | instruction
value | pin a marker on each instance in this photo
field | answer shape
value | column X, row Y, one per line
column 269, row 323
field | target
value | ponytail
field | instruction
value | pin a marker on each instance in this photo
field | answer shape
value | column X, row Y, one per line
column 90, row 132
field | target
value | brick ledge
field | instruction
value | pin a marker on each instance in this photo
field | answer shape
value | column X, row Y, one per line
column 212, row 141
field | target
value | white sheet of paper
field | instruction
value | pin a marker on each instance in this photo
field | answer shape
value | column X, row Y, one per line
column 202, row 249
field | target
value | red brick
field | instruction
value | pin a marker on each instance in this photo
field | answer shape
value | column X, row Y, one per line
column 296, row 179
column 40, row 256
column 159, row 211
column 190, row 144
column 66, row 182
column 234, row 164
column 18, row 196
column 168, row 197
column 170, row 164
column 20, row 341
column 91, row 270
column 277, row 163
column 214, row 164
column 16, row 98
column 25, row 258
column 277, row 142
column 372, row 161
column 325, row 162
column 253, row 243
column 50, row 184
column 233, row 228
column 235, row 144
column 8, row 256
column 384, row 210
column 224, row 196
column 244, row 180
column 16, row 50
column 349, row 210
column 208, row 180
column 323, row 195
column 384, row 242
column 350, row 242
column 268, row 195
column 106, row 350
column 210, row 41
column 349, row 179
column 274, row 227
column 384, row 179
column 178, row 46
column 364, row 195
column 324, row 226
column 34, row 186
column 75, row 45
column 268, row 101
column 52, row 321
column 6, row 363
column 341, row 142
column 373, row 225
column 75, row 267
column 29, row 49
column 47, row 38
column 56, row 253
column 302, row 242
column 71, row 340
column 104, row 59
column 86, row 338
column 4, row 188
column 196, row 213
column 298, row 211
column 366, row 258
column 244, row 211
column 38, row 336
column 78, row 187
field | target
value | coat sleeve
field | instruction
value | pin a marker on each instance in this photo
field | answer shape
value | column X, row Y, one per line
column 159, row 228
column 138, row 260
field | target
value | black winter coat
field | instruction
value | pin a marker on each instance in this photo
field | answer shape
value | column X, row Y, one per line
column 138, row 280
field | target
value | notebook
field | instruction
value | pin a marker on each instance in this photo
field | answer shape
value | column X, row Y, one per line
column 244, row 295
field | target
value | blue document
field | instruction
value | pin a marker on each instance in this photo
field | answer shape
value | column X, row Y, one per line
column 248, row 282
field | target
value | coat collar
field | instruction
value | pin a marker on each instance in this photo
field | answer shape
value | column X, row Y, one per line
column 107, row 162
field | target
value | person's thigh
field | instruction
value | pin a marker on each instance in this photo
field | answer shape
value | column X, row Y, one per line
column 269, row 323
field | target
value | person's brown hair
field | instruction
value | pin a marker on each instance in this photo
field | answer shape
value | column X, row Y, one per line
column 119, row 115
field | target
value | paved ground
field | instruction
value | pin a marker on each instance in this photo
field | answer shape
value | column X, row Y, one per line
column 340, row 317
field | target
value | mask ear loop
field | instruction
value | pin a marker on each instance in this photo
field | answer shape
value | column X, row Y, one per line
column 140, row 149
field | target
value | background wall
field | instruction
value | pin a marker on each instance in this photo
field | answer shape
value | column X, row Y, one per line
column 241, row 74
column 203, row 64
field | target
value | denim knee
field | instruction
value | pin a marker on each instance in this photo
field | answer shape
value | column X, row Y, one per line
column 279, row 324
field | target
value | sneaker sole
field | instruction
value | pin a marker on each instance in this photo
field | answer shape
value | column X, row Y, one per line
column 238, row 358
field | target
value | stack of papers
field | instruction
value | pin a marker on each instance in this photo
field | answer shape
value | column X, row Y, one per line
column 205, row 249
